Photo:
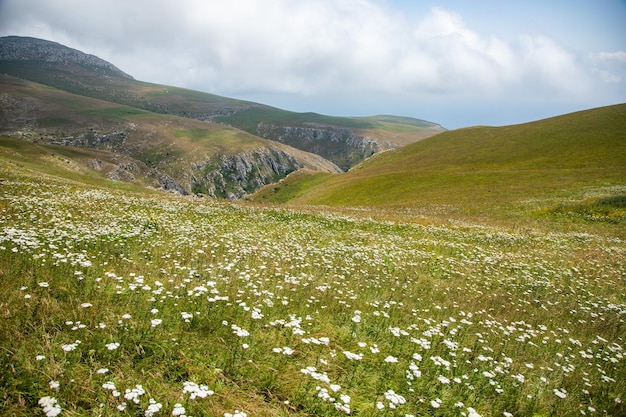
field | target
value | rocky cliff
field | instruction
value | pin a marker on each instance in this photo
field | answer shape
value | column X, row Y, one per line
column 340, row 145
column 235, row 175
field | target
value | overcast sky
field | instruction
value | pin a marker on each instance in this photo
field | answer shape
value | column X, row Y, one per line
column 457, row 63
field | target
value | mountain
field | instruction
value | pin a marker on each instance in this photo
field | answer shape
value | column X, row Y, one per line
column 165, row 151
column 345, row 141
column 575, row 156
column 37, row 57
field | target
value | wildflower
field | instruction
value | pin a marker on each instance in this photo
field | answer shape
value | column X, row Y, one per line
column 335, row 387
column 343, row 407
column 102, row 371
column 353, row 356
column 178, row 410
column 443, row 379
column 561, row 393
column 319, row 376
column 153, row 408
column 109, row 385
column 519, row 377
column 284, row 350
column 256, row 314
column 54, row 385
column 70, row 346
column 472, row 413
column 112, row 346
column 50, row 405
column 154, row 310
column 391, row 359
column 394, row 398
column 134, row 394
column 40, row 357
column 43, row 284
column 196, row 390
column 86, row 305
column 155, row 322
column 186, row 316
column 239, row 331
column 324, row 395
column 436, row 403
column 237, row 413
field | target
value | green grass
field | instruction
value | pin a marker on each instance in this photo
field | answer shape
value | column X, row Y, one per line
column 53, row 161
column 277, row 310
column 474, row 168
column 605, row 209
column 290, row 188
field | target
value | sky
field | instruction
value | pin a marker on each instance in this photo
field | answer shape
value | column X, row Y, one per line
column 458, row 63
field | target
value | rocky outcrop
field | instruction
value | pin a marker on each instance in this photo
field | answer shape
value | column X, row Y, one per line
column 167, row 183
column 340, row 145
column 234, row 176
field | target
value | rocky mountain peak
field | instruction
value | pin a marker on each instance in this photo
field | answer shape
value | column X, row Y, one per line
column 18, row 48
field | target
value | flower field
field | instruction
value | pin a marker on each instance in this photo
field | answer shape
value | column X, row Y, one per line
column 125, row 304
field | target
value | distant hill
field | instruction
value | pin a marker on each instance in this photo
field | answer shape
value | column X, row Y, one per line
column 342, row 140
column 479, row 168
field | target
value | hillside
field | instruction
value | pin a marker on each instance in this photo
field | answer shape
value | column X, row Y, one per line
column 164, row 151
column 477, row 169
column 342, row 140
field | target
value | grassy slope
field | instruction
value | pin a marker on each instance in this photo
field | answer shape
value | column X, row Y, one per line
column 62, row 162
column 476, row 168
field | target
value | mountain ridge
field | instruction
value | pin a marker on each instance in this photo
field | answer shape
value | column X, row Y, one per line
column 362, row 138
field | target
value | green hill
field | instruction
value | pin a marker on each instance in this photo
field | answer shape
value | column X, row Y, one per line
column 480, row 169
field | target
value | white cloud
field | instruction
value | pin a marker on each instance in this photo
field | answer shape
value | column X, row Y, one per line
column 312, row 48
column 609, row 66
column 617, row 56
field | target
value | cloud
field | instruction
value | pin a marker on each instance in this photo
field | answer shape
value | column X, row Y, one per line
column 312, row 48
column 609, row 66
column 605, row 56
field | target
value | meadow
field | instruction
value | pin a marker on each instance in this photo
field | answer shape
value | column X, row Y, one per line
column 121, row 303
